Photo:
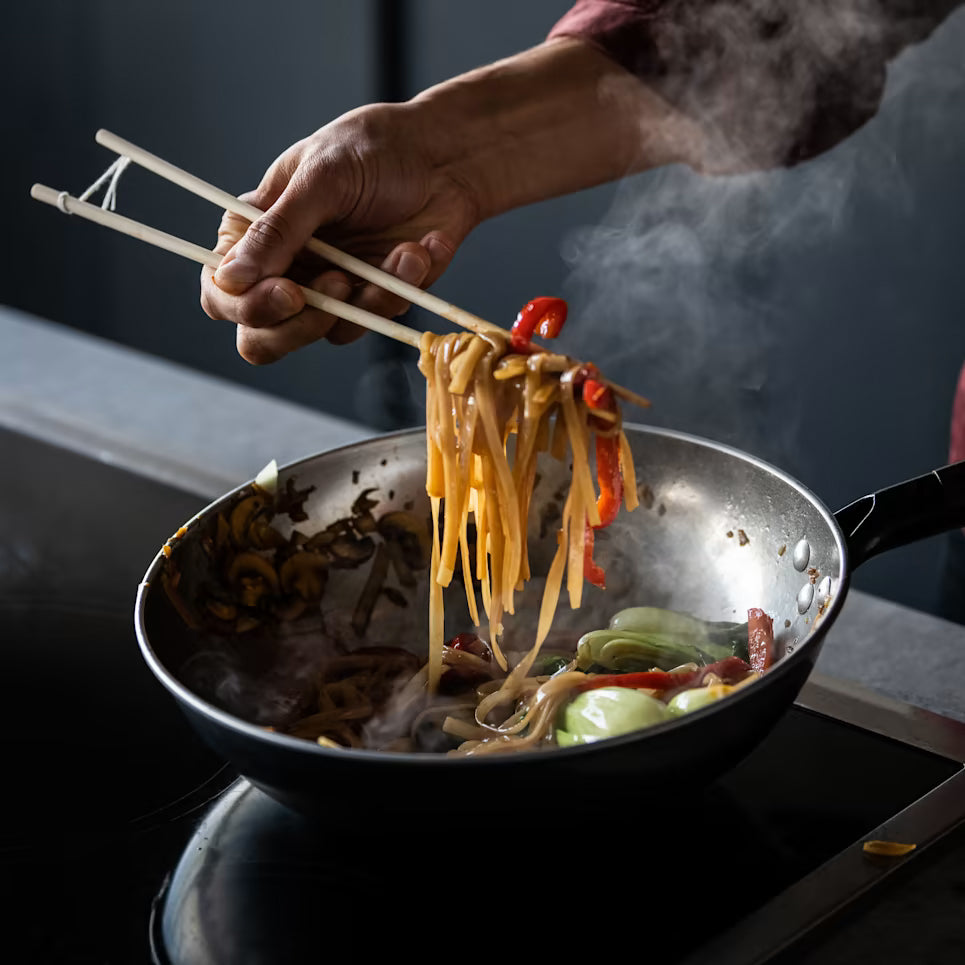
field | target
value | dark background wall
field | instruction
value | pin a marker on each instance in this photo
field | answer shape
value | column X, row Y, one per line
column 813, row 316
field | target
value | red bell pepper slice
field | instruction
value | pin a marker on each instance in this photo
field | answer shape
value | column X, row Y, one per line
column 730, row 668
column 598, row 395
column 608, row 503
column 760, row 639
column 609, row 477
column 592, row 572
column 544, row 316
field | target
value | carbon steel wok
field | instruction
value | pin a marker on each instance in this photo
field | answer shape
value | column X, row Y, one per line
column 717, row 532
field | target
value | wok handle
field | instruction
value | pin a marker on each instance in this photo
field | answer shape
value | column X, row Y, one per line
column 909, row 511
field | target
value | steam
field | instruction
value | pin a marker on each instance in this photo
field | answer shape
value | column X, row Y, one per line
column 682, row 291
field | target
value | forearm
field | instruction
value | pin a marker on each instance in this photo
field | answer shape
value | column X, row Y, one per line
column 549, row 121
column 771, row 82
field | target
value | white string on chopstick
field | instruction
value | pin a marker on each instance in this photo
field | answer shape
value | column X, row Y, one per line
column 111, row 175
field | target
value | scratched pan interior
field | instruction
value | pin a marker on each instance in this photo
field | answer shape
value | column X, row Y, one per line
column 714, row 535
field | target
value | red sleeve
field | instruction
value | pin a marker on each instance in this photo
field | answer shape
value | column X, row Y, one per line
column 957, row 447
column 622, row 29
column 772, row 81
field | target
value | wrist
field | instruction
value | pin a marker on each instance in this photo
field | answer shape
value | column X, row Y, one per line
column 554, row 119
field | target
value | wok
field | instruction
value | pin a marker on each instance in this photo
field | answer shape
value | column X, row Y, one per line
column 717, row 532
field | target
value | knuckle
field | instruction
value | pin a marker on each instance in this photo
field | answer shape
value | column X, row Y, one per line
column 268, row 232
column 231, row 229
column 249, row 314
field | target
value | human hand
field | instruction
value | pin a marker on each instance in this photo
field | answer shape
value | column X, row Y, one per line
column 367, row 183
column 401, row 185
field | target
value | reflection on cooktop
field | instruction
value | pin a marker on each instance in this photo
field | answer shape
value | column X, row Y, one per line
column 257, row 883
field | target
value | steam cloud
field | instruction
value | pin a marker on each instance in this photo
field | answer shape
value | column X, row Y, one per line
column 682, row 291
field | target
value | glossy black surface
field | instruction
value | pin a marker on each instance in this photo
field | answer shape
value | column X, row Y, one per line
column 252, row 881
column 904, row 513
column 93, row 752
column 97, row 763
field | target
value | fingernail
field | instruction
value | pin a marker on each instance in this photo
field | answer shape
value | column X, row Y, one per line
column 237, row 273
column 282, row 300
column 411, row 268
column 437, row 248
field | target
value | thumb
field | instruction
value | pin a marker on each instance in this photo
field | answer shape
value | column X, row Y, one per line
column 271, row 242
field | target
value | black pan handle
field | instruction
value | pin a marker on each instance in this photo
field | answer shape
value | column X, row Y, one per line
column 909, row 511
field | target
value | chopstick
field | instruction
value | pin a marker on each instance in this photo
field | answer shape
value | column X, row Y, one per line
column 204, row 256
column 347, row 262
column 340, row 259
column 411, row 293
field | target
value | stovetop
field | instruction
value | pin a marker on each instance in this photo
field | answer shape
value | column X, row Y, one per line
column 124, row 840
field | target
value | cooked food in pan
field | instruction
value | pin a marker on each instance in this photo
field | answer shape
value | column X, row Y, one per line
column 647, row 667
column 494, row 406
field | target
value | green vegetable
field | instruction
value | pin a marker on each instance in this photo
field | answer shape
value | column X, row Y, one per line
column 651, row 619
column 641, row 638
column 697, row 698
column 551, row 664
column 565, row 739
column 607, row 712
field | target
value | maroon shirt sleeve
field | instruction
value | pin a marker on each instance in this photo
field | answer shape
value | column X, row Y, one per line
column 956, row 449
column 773, row 81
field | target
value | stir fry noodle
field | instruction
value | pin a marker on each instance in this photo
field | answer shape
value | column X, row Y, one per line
column 478, row 396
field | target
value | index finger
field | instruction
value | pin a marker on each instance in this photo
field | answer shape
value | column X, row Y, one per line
column 272, row 241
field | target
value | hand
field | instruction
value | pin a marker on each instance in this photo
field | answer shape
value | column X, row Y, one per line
column 401, row 185
column 368, row 184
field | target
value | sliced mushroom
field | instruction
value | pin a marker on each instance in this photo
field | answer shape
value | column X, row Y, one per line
column 362, row 518
column 222, row 532
column 320, row 540
column 370, row 592
column 252, row 576
column 402, row 569
column 251, row 564
column 291, row 501
column 349, row 552
column 223, row 611
column 263, row 535
column 411, row 533
column 395, row 596
column 243, row 514
column 305, row 574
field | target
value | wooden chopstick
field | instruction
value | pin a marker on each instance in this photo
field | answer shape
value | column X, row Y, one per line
column 347, row 262
column 411, row 293
column 204, row 256
column 341, row 259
